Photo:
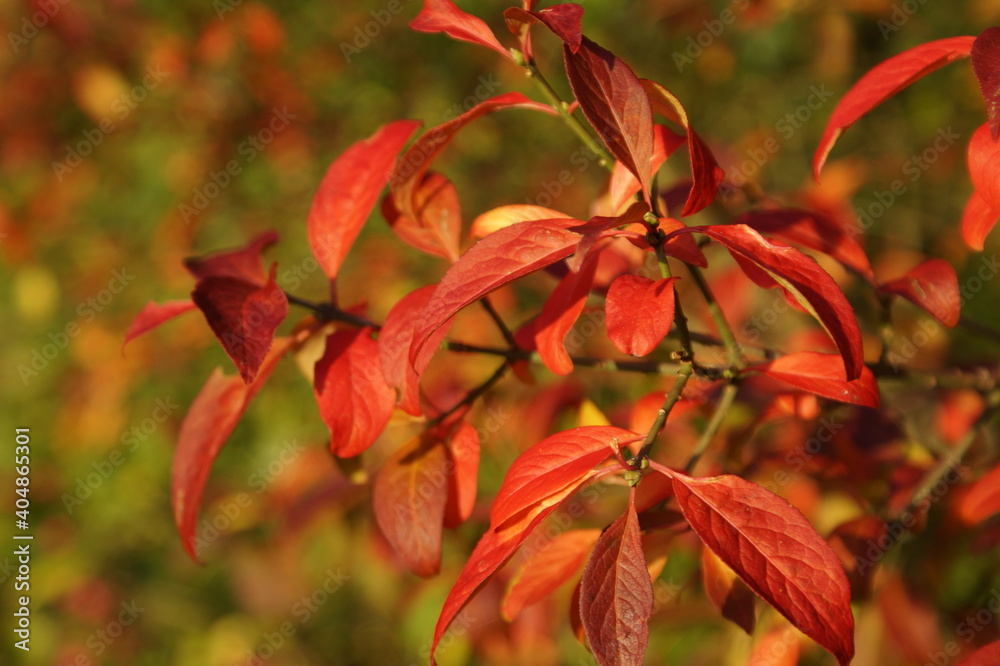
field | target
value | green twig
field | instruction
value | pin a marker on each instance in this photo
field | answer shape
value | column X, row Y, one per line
column 718, row 416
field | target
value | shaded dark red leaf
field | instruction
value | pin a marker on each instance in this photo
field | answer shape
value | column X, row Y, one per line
column 349, row 191
column 814, row 231
column 409, row 498
column 682, row 246
column 501, row 257
column 445, row 16
column 154, row 314
column 615, row 104
column 245, row 263
column 853, row 542
column 978, row 221
column 705, row 171
column 561, row 310
column 207, row 425
column 932, row 286
column 801, row 277
column 882, row 82
column 547, row 569
column 394, row 340
column 982, row 501
column 354, row 399
column 824, row 375
column 463, row 453
column 548, row 467
column 640, row 312
column 616, row 594
column 243, row 315
column 984, row 166
column 727, row 592
column 623, row 185
column 775, row 550
column 563, row 20
column 986, row 656
column 985, row 56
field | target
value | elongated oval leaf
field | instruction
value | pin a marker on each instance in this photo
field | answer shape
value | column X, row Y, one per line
column 978, row 221
column 727, row 592
column 409, row 499
column 154, row 314
column 548, row 467
column 354, row 399
column 438, row 223
column 349, row 191
column 463, row 450
column 207, row 425
column 984, row 166
column 445, row 16
column 985, row 56
column 932, row 286
column 615, row 104
column 616, row 594
column 624, row 185
column 775, row 550
column 547, row 569
column 640, row 312
column 502, row 217
column 882, row 82
column 982, row 501
column 823, row 375
column 501, row 257
column 560, row 312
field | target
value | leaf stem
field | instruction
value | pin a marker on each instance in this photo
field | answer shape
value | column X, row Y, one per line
column 725, row 330
column 472, row 395
column 718, row 416
column 495, row 316
column 683, row 375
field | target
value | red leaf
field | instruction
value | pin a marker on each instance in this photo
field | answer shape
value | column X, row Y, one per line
column 409, row 498
column 560, row 312
column 153, row 315
column 623, row 185
column 349, row 191
column 983, row 157
column 463, row 453
column 492, row 552
column 986, row 64
column 244, row 263
column 727, row 592
column 705, row 171
column 354, row 399
column 547, row 569
column 823, row 374
column 444, row 16
column 885, row 80
column 802, row 278
column 501, row 257
column 983, row 499
column 816, row 232
column 243, row 315
column 640, row 312
column 502, row 217
column 438, row 222
column 207, row 425
column 410, row 169
column 987, row 656
column 615, row 104
column 682, row 246
column 932, row 286
column 394, row 340
column 563, row 20
column 558, row 461
column 775, row 550
column 616, row 595
column 978, row 221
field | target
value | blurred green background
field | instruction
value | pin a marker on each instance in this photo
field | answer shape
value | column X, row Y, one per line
column 115, row 115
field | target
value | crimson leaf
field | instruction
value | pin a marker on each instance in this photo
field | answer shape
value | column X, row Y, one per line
column 933, row 286
column 444, row 16
column 823, row 374
column 985, row 56
column 640, row 312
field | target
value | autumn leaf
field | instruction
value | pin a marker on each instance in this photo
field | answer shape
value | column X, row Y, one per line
column 986, row 656
column 545, row 570
column 615, row 104
column 245, row 263
column 727, row 592
column 624, row 185
column 563, row 20
column 463, row 449
column 882, row 82
column 445, row 16
column 561, row 310
column 823, row 375
column 616, row 594
column 502, row 217
column 154, row 314
column 207, row 425
column 438, row 223
column 354, row 399
column 985, row 57
column 349, row 191
column 982, row 501
column 409, row 498
column 978, row 221
column 932, row 286
column 983, row 158
column 640, row 312
column 775, row 550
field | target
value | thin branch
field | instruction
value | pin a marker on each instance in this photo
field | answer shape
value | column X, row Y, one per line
column 472, row 395
column 683, row 375
column 718, row 416
column 495, row 316
column 725, row 330
column 329, row 312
